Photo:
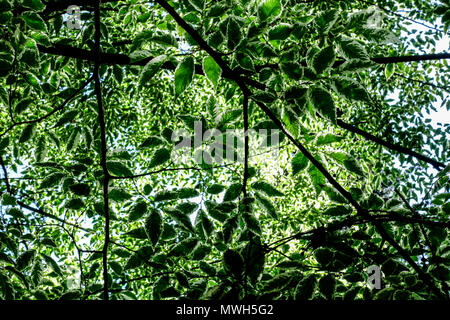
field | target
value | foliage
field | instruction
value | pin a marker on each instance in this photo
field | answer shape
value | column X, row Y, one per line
column 98, row 201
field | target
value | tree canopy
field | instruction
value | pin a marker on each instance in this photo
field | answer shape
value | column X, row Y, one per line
column 224, row 149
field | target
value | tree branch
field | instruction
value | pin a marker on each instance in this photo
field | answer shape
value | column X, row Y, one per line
column 438, row 165
column 166, row 170
column 51, row 216
column 101, row 121
column 36, row 210
column 56, row 109
column 5, row 173
column 423, row 82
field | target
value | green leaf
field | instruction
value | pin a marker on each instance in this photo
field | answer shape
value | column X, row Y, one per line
column 182, row 279
column 118, row 168
column 267, row 205
column 389, row 70
column 323, row 60
column 184, row 74
column 23, row 104
column 119, row 195
column 234, row 33
column 161, row 156
column 354, row 166
column 16, row 213
column 184, row 247
column 217, row 10
column 207, row 268
column 186, row 193
column 67, row 116
column 133, row 262
column 233, row 262
column 49, row 242
column 323, row 102
column 352, row 49
column 305, row 288
column 197, row 4
column 139, row 55
column 152, row 141
column 334, row 194
column 164, row 39
column 207, row 225
column 27, row 133
column 74, row 204
column 51, row 180
column 154, row 226
column 8, row 200
column 182, row 219
column 337, row 211
column 4, row 142
column 74, row 139
column 215, row 292
column 200, row 252
column 350, row 89
column 327, row 139
column 25, row 259
column 187, row 207
column 326, row 20
column 324, row 256
column 52, row 263
column 215, row 188
column 269, row 10
column 384, row 294
column 212, row 70
column 6, row 287
column 375, row 202
column 36, row 5
column 380, row 36
column 34, row 21
column 281, row 281
column 166, row 196
column 80, row 189
column 118, row 73
column 137, row 210
column 252, row 224
column 267, row 189
column 245, row 61
column 37, row 272
column 327, row 285
column 233, row 192
column 317, row 178
column 351, row 294
column 151, row 68
column 138, row 233
column 255, row 260
column 280, row 32
column 41, row 149
column 299, row 162
column 263, row 96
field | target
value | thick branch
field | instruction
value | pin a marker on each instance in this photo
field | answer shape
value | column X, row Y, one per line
column 101, row 121
column 5, row 173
